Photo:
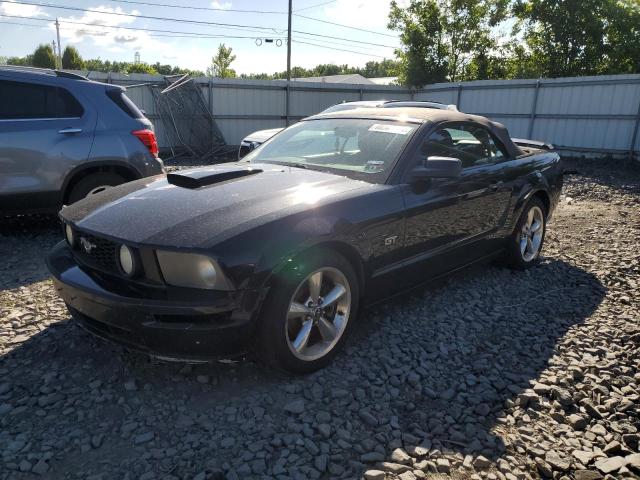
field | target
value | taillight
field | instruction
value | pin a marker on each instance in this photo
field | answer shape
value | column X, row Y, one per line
column 147, row 137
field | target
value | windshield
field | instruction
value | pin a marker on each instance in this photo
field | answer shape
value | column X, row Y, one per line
column 364, row 149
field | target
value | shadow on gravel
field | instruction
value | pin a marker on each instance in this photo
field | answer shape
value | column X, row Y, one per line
column 24, row 242
column 432, row 369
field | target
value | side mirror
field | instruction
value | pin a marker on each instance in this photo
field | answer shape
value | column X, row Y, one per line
column 437, row 167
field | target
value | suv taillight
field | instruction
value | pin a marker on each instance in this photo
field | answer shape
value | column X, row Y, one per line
column 147, row 137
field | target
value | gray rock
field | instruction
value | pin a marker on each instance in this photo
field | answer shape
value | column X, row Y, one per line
column 583, row 456
column 320, row 462
column 371, row 457
column 443, row 464
column 41, row 467
column 374, row 475
column 143, row 438
column 577, row 422
column 368, row 418
column 407, row 476
column 557, row 461
column 130, row 386
column 400, row 456
column 481, row 463
column 587, row 475
column 633, row 460
column 295, row 406
column 609, row 465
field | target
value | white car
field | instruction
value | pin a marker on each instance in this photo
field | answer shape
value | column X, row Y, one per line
column 255, row 139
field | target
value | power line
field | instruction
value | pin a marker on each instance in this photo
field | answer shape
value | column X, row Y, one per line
column 193, row 34
column 171, row 33
column 338, row 49
column 314, row 6
column 342, row 38
column 184, row 20
column 345, row 26
column 188, row 7
column 148, row 17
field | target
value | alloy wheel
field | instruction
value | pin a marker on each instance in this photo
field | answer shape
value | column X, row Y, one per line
column 531, row 234
column 318, row 313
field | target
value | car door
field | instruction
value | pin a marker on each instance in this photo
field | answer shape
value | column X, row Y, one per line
column 446, row 213
column 44, row 131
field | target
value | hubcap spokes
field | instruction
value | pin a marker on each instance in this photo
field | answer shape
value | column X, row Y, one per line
column 531, row 235
column 318, row 314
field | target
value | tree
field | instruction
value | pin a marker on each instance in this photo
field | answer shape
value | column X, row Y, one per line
column 581, row 37
column 441, row 37
column 71, row 58
column 43, row 57
column 141, row 68
column 221, row 63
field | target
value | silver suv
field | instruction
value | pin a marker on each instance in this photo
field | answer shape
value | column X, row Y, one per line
column 63, row 137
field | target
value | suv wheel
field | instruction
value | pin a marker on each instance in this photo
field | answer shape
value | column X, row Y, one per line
column 309, row 313
column 92, row 184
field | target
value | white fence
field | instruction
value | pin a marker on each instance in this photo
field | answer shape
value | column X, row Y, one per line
column 591, row 114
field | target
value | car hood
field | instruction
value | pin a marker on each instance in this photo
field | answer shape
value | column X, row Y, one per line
column 201, row 207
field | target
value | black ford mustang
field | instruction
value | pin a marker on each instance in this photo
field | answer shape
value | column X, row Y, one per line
column 277, row 252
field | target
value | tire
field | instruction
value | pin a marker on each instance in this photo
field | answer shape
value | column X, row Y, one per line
column 92, row 184
column 522, row 253
column 281, row 334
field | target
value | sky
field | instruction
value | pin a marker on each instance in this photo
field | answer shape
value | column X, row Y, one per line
column 100, row 33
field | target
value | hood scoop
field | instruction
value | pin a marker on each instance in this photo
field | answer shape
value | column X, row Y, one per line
column 202, row 178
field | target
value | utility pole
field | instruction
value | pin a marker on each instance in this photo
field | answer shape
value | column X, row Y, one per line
column 59, row 48
column 289, row 44
column 55, row 55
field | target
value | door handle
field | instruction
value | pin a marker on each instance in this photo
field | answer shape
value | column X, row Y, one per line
column 66, row 131
column 496, row 185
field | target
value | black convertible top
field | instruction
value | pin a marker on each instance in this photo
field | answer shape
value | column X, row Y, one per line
column 428, row 115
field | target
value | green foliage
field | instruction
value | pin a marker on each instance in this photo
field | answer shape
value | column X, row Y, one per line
column 221, row 63
column 445, row 40
column 43, row 57
column 71, row 58
column 141, row 68
column 385, row 68
column 581, row 37
column 22, row 61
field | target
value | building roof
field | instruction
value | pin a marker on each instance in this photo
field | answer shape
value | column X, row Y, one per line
column 354, row 78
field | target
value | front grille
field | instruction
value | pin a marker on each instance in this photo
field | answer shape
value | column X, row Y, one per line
column 96, row 252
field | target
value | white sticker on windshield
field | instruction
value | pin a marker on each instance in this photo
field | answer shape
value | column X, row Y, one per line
column 387, row 128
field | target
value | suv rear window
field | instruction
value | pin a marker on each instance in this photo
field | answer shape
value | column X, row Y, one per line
column 125, row 103
column 20, row 100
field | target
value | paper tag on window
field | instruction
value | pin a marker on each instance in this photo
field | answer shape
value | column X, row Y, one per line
column 389, row 128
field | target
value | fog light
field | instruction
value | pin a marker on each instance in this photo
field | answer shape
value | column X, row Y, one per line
column 127, row 260
column 68, row 233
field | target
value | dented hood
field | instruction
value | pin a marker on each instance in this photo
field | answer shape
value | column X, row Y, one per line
column 201, row 207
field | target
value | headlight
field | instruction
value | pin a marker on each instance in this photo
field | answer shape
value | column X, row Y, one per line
column 127, row 260
column 191, row 270
column 70, row 236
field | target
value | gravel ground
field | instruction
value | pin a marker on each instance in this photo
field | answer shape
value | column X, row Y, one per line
column 490, row 374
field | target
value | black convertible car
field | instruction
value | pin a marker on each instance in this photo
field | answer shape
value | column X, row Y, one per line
column 276, row 253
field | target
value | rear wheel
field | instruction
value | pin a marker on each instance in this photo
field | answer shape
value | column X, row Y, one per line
column 309, row 313
column 525, row 244
column 92, row 184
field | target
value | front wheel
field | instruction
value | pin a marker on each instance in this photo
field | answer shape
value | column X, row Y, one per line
column 525, row 244
column 309, row 313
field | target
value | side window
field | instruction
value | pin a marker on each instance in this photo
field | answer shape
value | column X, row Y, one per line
column 472, row 145
column 19, row 100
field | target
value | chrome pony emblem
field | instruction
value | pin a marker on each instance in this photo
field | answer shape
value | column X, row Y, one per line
column 87, row 246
